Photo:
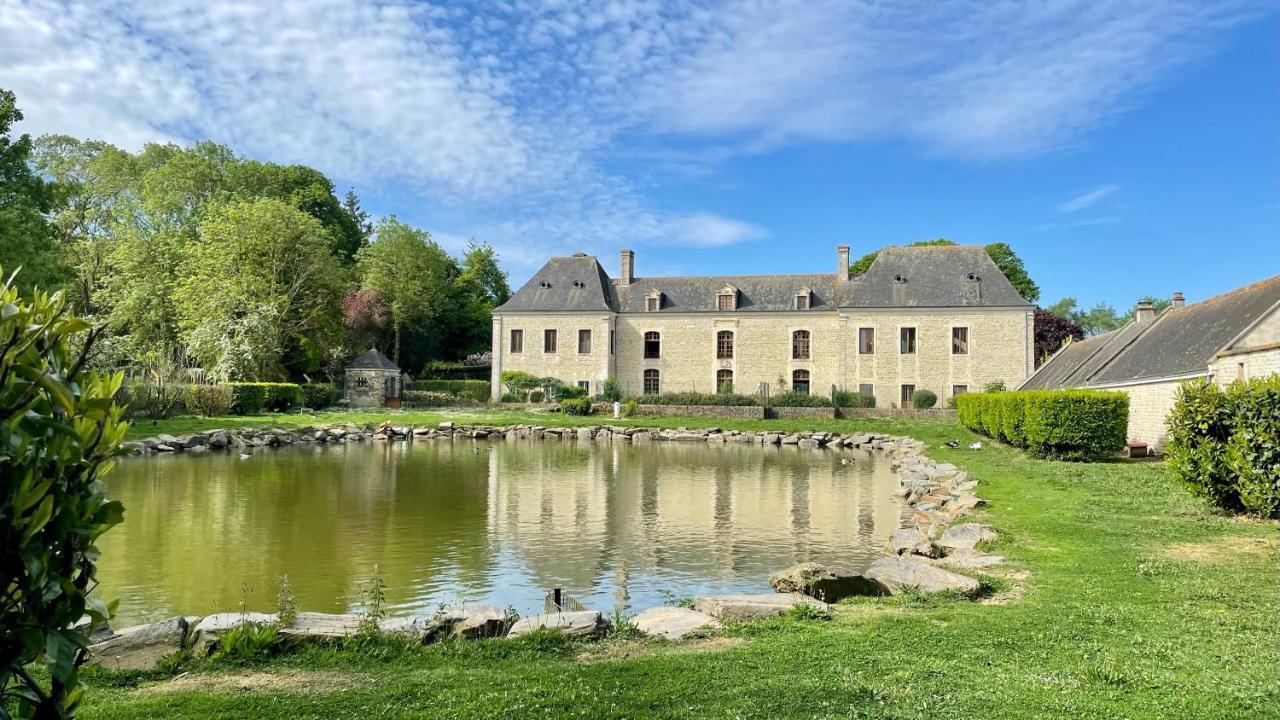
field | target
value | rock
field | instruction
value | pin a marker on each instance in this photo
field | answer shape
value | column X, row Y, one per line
column 747, row 607
column 313, row 624
column 134, row 448
column 584, row 623
column 791, row 440
column 808, row 443
column 141, row 647
column 193, row 441
column 168, row 440
column 770, row 439
column 896, row 575
column 673, row 623
column 446, row 425
column 584, row 433
column 689, row 436
column 219, row 439
column 968, row 559
column 206, row 632
column 471, row 622
column 912, row 541
column 964, row 503
column 826, row 583
column 101, row 633
column 965, row 536
column 164, row 447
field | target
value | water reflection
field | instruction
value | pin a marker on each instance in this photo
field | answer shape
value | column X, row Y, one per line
column 496, row 522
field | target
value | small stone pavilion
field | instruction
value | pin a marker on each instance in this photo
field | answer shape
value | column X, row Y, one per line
column 373, row 380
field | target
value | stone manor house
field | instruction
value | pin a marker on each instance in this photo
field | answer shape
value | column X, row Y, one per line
column 943, row 319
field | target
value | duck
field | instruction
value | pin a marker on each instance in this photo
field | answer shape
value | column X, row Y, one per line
column 975, row 446
column 953, row 443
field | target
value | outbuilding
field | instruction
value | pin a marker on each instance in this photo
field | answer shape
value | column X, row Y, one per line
column 373, row 380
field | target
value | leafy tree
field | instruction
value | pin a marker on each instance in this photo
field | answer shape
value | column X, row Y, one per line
column 59, row 427
column 1051, row 332
column 364, row 314
column 1000, row 253
column 260, row 283
column 411, row 271
column 351, row 203
column 1160, row 304
column 308, row 190
column 26, row 237
column 1102, row 317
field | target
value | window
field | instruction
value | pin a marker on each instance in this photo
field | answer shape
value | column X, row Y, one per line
column 866, row 389
column 800, row 381
column 908, row 392
column 652, row 382
column 724, row 381
column 652, row 345
column 866, row 341
column 800, row 345
column 585, row 385
column 517, row 341
column 959, row 341
column 802, row 301
column 724, row 301
column 1240, row 372
column 652, row 303
column 548, row 341
column 613, row 342
column 907, row 341
column 584, row 342
column 362, row 381
column 724, row 345
column 959, row 390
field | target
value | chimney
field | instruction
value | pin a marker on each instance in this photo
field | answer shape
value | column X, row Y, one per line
column 1178, row 301
column 1145, row 312
column 627, row 270
column 842, row 266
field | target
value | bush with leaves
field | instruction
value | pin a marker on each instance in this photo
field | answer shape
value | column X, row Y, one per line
column 427, row 398
column 520, row 382
column 797, row 399
column 576, row 406
column 1060, row 424
column 693, row 398
column 474, row 391
column 59, row 427
column 208, row 399
column 612, row 391
column 924, row 399
column 318, row 396
column 251, row 398
column 850, row 399
column 569, row 392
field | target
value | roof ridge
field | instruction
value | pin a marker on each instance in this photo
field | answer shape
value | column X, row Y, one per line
column 1230, row 293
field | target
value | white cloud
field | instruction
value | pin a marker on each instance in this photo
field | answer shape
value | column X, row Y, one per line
column 1091, row 222
column 1087, row 199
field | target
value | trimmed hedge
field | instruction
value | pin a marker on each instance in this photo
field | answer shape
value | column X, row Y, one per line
column 795, row 399
column 250, row 398
column 1061, row 424
column 576, row 406
column 319, row 395
column 924, row 399
column 428, row 398
column 851, row 399
column 694, row 398
column 1225, row 444
column 468, row 390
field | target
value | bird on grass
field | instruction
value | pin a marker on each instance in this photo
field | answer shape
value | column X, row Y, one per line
column 975, row 446
column 953, row 443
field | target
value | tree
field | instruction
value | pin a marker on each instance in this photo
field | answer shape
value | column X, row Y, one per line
column 260, row 283
column 59, row 427
column 411, row 271
column 1160, row 305
column 351, row 203
column 1102, row 317
column 1052, row 332
column 27, row 240
column 1000, row 253
column 308, row 190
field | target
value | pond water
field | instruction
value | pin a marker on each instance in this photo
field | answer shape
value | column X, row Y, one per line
column 495, row 522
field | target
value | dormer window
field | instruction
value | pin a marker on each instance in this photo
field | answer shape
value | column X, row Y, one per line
column 804, row 299
column 653, row 301
column 579, row 284
column 900, row 279
column 972, row 277
column 727, row 298
column 544, row 285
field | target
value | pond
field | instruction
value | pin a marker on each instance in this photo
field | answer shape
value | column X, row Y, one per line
column 613, row 525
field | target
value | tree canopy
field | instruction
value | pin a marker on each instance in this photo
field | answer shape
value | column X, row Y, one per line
column 1001, row 254
column 27, row 240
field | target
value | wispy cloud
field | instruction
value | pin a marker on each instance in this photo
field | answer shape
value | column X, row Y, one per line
column 540, row 127
column 1091, row 222
column 1087, row 200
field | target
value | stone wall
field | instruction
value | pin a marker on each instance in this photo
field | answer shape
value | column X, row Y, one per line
column 566, row 364
column 366, row 387
column 824, row 413
column 1255, row 364
column 1149, row 406
column 736, row 412
column 929, row 414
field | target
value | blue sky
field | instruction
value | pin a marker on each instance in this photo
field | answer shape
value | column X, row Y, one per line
column 1122, row 147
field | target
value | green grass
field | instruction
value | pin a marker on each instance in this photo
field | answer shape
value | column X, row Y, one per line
column 1123, row 597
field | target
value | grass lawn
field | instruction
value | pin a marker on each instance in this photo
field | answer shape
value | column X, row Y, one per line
column 1123, row 597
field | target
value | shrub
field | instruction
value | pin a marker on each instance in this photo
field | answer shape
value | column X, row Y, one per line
column 629, row 408
column 251, row 398
column 319, row 395
column 246, row 643
column 924, row 399
column 428, row 398
column 612, row 391
column 509, row 397
column 693, row 398
column 1063, row 424
column 575, row 406
column 208, row 400
column 537, row 396
column 995, row 387
column 520, row 382
column 1225, row 444
column 569, row 392
column 61, row 425
column 476, row 391
column 795, row 399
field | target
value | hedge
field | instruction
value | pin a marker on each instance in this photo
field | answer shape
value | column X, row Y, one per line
column 1225, row 444
column 1061, row 424
column 850, row 399
column 796, row 399
column 428, row 398
column 693, row 398
column 576, row 406
column 319, row 395
column 924, row 399
column 250, row 398
column 469, row 390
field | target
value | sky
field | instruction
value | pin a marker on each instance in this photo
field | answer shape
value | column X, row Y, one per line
column 1122, row 147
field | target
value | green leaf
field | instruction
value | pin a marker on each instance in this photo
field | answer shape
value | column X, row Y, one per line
column 60, row 653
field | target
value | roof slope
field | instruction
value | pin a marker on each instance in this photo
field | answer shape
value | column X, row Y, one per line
column 756, row 293
column 373, row 360
column 1074, row 364
column 934, row 276
column 565, row 284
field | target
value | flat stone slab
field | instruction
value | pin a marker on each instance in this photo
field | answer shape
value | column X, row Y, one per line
column 471, row 622
column 746, row 607
column 673, row 623
column 140, row 647
column 966, row 536
column 583, row 623
column 896, row 575
column 827, row 583
column 969, row 560
column 313, row 624
column 911, row 541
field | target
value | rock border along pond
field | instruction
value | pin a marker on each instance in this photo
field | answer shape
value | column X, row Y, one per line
column 927, row 555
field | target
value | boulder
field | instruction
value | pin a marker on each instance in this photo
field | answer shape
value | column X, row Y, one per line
column 810, row 443
column 141, row 647
column 673, row 623
column 965, row 536
column 219, row 439
column 584, row 433
column 325, row 625
column 584, row 623
column 964, row 502
column 745, row 607
column 912, row 541
column 770, row 439
column 968, row 559
column 826, row 583
column 471, row 622
column 896, row 575
column 206, row 632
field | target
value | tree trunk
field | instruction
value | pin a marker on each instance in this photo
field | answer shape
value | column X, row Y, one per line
column 396, row 352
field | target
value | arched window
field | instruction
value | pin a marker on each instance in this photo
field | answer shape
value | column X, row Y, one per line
column 800, row 381
column 724, row 381
column 652, row 345
column 724, row 345
column 652, row 382
column 800, row 345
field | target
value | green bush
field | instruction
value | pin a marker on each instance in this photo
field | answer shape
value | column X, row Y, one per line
column 795, row 399
column 476, row 391
column 246, row 643
column 629, row 408
column 693, row 398
column 569, row 392
column 319, row 395
column 537, row 396
column 208, row 400
column 612, row 391
column 851, row 399
column 59, row 427
column 575, row 406
column 509, row 397
column 1225, row 444
column 924, row 399
column 1062, row 424
column 520, row 382
column 251, row 398
column 428, row 398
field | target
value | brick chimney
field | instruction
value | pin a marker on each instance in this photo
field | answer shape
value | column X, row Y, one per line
column 627, row 268
column 1177, row 301
column 842, row 263
column 1145, row 312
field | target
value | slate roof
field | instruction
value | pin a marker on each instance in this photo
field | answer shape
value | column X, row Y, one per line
column 565, row 284
column 1181, row 341
column 373, row 360
column 934, row 276
column 756, row 293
